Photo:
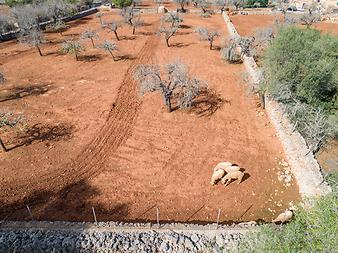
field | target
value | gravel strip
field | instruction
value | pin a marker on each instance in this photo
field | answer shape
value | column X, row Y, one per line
column 55, row 237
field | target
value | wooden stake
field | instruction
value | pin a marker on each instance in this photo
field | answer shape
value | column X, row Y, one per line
column 157, row 217
column 94, row 214
column 29, row 211
column 218, row 216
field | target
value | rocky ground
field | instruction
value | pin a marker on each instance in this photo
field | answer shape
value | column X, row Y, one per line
column 55, row 237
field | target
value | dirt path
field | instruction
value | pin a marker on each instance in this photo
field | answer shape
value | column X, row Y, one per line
column 116, row 131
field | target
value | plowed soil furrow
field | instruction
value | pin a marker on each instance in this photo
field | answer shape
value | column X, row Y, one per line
column 116, row 131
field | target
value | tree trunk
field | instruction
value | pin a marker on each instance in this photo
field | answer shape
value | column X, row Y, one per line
column 182, row 8
column 262, row 98
column 39, row 50
column 117, row 37
column 76, row 57
column 2, row 146
column 92, row 42
column 211, row 45
column 111, row 53
column 284, row 16
column 134, row 28
column 168, row 104
column 167, row 42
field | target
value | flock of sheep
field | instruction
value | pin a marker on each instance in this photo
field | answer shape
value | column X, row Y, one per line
column 226, row 172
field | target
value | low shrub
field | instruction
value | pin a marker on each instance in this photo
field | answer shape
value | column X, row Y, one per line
column 312, row 230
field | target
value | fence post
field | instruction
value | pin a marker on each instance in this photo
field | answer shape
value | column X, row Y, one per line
column 218, row 216
column 94, row 214
column 158, row 217
column 30, row 212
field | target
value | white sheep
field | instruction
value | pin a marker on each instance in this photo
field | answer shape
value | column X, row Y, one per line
column 222, row 166
column 232, row 169
column 284, row 217
column 232, row 175
column 216, row 176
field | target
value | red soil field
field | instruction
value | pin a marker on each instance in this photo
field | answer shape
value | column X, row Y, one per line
column 92, row 141
column 331, row 28
column 246, row 25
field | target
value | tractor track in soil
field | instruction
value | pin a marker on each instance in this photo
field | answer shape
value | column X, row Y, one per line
column 116, row 131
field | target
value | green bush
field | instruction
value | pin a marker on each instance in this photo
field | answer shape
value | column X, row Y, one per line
column 12, row 3
column 122, row 3
column 256, row 3
column 301, row 70
column 312, row 230
column 306, row 63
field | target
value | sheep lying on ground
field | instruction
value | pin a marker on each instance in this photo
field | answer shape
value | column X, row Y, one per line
column 216, row 176
column 232, row 175
column 222, row 166
column 232, row 169
column 227, row 167
column 284, row 217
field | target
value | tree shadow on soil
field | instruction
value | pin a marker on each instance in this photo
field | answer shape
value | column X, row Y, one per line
column 55, row 53
column 194, row 213
column 181, row 45
column 207, row 103
column 183, row 33
column 79, row 22
column 128, row 37
column 72, row 203
column 145, row 33
column 185, row 26
column 44, row 133
column 216, row 48
column 125, row 57
column 21, row 92
column 89, row 58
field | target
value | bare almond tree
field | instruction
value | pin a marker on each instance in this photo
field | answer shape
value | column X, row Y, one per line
column 282, row 6
column 9, row 120
column 237, row 4
column 128, row 14
column 221, row 4
column 57, row 9
column 207, row 35
column 173, row 82
column 168, row 32
column 100, row 15
column 90, row 34
column 172, row 18
column 308, row 19
column 32, row 37
column 29, row 16
column 204, row 5
column 170, row 23
column 72, row 47
column 110, row 47
column 182, row 4
column 137, row 23
column 114, row 26
column 261, row 39
column 59, row 27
